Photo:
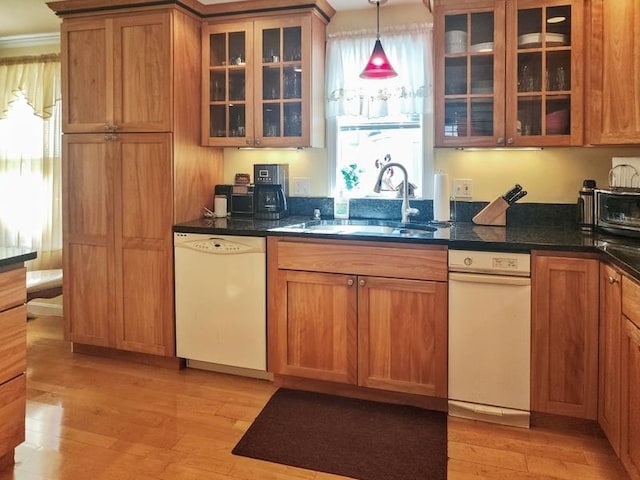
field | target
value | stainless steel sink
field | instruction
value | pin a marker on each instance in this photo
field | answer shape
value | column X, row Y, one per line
column 359, row 227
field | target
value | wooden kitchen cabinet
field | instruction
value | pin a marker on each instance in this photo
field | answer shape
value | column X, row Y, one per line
column 614, row 88
column 564, row 329
column 402, row 335
column 319, row 338
column 367, row 314
column 508, row 73
column 131, row 73
column 117, row 73
column 630, row 378
column 13, row 360
column 263, row 82
column 118, row 200
column 609, row 353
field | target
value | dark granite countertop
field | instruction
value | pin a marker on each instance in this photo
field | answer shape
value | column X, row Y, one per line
column 11, row 255
column 622, row 251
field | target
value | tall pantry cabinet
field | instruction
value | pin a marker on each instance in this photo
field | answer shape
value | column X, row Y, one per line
column 132, row 167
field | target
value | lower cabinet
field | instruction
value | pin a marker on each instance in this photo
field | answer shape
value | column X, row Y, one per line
column 13, row 360
column 630, row 379
column 609, row 354
column 341, row 312
column 564, row 328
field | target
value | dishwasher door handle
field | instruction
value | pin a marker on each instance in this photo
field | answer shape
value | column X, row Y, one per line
column 489, row 279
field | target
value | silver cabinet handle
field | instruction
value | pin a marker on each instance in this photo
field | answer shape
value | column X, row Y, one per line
column 350, row 282
column 362, row 283
column 612, row 280
column 510, row 141
column 500, row 141
column 257, row 142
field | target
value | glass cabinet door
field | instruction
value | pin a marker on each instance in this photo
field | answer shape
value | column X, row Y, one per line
column 280, row 102
column 229, row 108
column 508, row 73
column 544, row 64
column 472, row 102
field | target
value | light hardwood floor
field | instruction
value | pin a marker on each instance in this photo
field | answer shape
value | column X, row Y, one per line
column 92, row 418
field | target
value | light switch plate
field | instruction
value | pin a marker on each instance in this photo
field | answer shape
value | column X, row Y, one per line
column 301, row 186
column 462, row 188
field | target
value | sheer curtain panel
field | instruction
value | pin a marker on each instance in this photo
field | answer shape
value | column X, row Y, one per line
column 30, row 157
column 409, row 49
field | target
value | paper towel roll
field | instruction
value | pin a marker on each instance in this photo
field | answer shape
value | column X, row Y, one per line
column 441, row 211
column 220, row 206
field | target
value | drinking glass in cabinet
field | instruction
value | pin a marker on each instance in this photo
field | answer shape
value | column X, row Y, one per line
column 482, row 75
column 292, row 82
column 271, row 119
column 271, row 45
column 455, row 122
column 270, row 83
column 292, row 39
column 217, row 121
column 237, row 85
column 529, row 68
column 481, row 117
column 236, row 121
column 292, row 119
column 530, row 115
column 455, row 76
column 237, row 54
column 217, row 86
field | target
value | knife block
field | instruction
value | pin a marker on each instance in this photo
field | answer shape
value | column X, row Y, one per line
column 493, row 214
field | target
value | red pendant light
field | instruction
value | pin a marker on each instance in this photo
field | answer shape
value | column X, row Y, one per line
column 378, row 66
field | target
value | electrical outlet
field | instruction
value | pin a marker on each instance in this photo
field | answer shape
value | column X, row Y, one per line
column 301, row 187
column 462, row 188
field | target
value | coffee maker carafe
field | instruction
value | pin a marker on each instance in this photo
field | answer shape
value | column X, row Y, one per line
column 271, row 186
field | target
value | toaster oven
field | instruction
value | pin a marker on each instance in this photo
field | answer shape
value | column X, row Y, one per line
column 239, row 199
column 618, row 211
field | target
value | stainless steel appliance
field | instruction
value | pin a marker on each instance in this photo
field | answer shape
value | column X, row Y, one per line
column 270, row 202
column 240, row 198
column 270, row 191
column 618, row 210
column 272, row 174
column 490, row 336
column 586, row 205
column 220, row 295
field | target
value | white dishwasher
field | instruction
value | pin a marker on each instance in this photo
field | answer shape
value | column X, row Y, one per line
column 490, row 336
column 220, row 298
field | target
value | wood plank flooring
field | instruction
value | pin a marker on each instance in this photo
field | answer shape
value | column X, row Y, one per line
column 100, row 419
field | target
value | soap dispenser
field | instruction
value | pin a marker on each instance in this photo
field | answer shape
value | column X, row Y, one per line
column 341, row 206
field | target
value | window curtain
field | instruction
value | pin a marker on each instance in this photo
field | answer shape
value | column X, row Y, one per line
column 409, row 49
column 30, row 157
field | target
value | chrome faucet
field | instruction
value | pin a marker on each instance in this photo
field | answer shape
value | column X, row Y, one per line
column 406, row 208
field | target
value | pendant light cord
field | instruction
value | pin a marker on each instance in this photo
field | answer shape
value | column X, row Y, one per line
column 378, row 20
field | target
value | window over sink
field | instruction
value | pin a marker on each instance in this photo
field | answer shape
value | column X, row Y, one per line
column 374, row 122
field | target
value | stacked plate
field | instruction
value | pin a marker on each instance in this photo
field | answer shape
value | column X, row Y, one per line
column 534, row 40
column 455, row 41
column 482, row 47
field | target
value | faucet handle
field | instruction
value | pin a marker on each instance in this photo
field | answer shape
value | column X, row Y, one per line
column 412, row 211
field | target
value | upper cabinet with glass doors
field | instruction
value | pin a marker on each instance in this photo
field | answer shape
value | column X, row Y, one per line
column 263, row 82
column 508, row 73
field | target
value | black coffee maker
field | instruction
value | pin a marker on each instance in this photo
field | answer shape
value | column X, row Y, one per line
column 271, row 187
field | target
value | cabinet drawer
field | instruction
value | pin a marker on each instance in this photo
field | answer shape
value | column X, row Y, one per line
column 13, row 343
column 357, row 258
column 631, row 300
column 13, row 403
column 13, row 288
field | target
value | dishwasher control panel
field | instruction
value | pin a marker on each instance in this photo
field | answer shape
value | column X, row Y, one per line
column 505, row 263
